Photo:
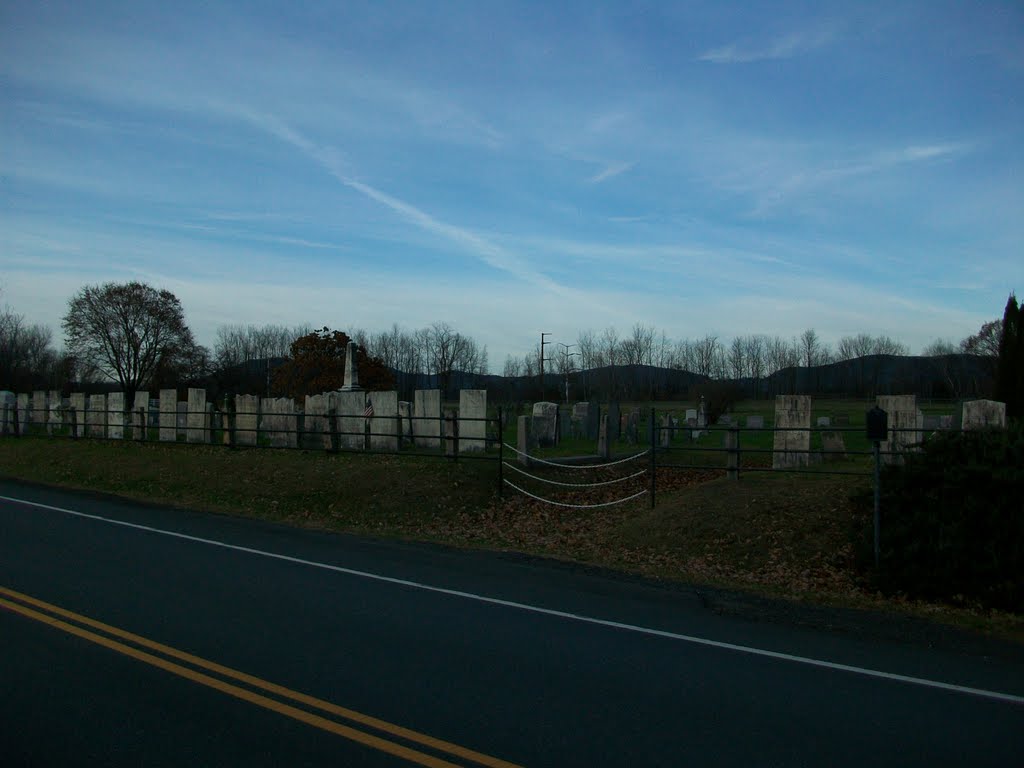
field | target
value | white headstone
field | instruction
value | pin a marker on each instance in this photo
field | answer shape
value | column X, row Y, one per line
column 792, row 443
column 426, row 422
column 384, row 423
column 115, row 416
column 980, row 414
column 351, row 419
column 472, row 433
column 247, row 414
column 543, row 427
column 168, row 415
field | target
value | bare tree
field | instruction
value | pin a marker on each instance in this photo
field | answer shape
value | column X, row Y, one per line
column 513, row 367
column 737, row 358
column 126, row 330
column 986, row 341
column 809, row 347
column 27, row 357
column 708, row 356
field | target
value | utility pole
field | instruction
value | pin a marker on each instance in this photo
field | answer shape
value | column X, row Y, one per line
column 565, row 364
column 542, row 358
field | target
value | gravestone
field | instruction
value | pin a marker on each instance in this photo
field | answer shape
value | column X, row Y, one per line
column 197, row 426
column 614, row 422
column 351, row 383
column 980, row 414
column 278, row 421
column 905, row 424
column 543, row 427
column 168, row 415
column 247, row 419
column 24, row 407
column 824, row 421
column 833, row 446
column 384, row 422
column 55, row 414
column 523, row 440
column 946, row 421
column 931, row 422
column 97, row 423
column 472, row 420
column 115, row 415
column 792, row 439
column 633, row 427
column 665, row 436
column 755, row 422
column 351, row 419
column 77, row 402
column 316, row 428
column 40, row 412
column 426, row 424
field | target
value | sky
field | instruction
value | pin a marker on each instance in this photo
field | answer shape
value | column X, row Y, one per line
column 518, row 168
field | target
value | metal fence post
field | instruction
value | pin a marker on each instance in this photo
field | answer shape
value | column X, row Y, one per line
column 878, row 489
column 654, row 462
column 501, row 453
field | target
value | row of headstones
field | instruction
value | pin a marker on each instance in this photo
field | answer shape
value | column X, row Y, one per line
column 550, row 423
column 362, row 420
column 907, row 425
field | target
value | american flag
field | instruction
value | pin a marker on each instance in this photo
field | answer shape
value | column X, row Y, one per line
column 369, row 410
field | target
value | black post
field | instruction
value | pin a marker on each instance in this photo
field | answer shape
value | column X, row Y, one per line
column 332, row 420
column 7, row 415
column 17, row 428
column 501, row 453
column 654, row 462
column 74, row 422
column 143, row 427
column 878, row 488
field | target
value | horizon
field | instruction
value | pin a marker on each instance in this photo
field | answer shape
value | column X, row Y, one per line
column 521, row 169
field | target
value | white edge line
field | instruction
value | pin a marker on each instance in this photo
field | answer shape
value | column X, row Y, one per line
column 995, row 695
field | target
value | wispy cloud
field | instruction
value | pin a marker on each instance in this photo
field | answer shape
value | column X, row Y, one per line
column 333, row 162
column 785, row 47
column 610, row 172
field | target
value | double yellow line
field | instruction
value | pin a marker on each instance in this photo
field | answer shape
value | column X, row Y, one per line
column 48, row 614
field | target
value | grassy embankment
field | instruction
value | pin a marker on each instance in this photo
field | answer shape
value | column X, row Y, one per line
column 776, row 535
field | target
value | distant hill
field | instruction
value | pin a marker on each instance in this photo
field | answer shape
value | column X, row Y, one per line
column 946, row 376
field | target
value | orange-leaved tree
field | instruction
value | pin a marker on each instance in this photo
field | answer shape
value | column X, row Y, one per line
column 317, row 364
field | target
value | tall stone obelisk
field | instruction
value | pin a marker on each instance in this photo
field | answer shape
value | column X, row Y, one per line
column 351, row 370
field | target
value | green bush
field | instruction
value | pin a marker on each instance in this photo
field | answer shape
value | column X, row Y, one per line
column 952, row 520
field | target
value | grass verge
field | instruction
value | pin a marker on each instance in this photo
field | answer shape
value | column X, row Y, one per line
column 773, row 535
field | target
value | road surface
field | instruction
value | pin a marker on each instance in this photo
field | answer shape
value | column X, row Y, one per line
column 139, row 635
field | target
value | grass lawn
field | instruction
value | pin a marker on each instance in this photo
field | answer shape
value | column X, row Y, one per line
column 778, row 535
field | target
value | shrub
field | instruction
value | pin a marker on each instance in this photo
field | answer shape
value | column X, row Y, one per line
column 952, row 520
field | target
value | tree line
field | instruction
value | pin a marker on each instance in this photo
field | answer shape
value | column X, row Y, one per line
column 134, row 336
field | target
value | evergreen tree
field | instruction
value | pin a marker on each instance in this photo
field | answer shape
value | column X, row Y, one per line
column 1010, row 365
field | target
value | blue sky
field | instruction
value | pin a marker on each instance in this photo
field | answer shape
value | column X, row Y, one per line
column 512, row 168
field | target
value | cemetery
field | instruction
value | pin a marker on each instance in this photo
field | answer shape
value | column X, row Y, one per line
column 365, row 461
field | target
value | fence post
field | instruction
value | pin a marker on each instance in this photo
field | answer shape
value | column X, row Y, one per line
column 332, row 425
column 501, row 454
column 143, row 426
column 654, row 450
column 732, row 439
column 74, row 422
column 878, row 487
column 17, row 427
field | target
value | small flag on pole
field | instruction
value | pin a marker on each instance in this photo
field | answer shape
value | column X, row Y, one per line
column 368, row 413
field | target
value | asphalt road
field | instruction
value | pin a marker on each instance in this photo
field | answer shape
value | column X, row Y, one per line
column 183, row 638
